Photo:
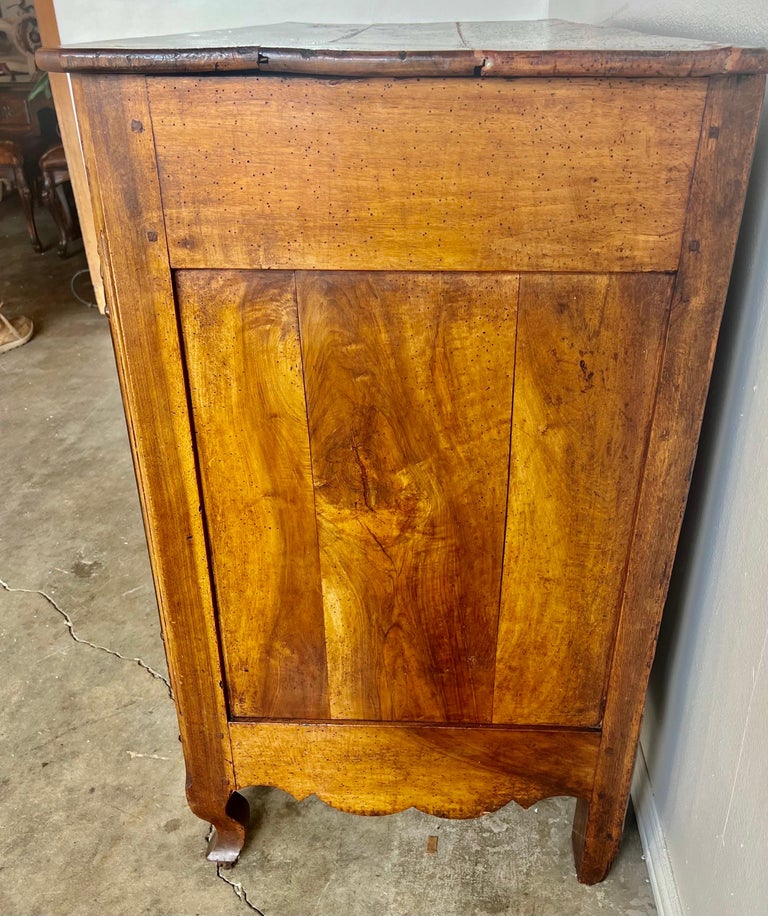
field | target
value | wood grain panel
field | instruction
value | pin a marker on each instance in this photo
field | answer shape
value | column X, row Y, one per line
column 409, row 388
column 445, row 771
column 560, row 174
column 245, row 380
column 587, row 361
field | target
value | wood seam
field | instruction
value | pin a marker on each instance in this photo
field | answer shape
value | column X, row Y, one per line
column 506, row 492
column 313, row 483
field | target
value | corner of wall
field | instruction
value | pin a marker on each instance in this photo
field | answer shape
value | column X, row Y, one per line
column 657, row 858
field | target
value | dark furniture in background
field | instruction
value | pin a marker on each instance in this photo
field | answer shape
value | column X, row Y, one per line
column 13, row 176
column 28, row 136
column 56, row 194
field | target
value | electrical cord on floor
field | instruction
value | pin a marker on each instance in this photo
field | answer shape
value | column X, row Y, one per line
column 91, row 305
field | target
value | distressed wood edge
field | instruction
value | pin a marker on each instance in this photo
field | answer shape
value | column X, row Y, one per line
column 468, row 62
column 567, row 759
column 70, row 138
column 210, row 773
column 718, row 191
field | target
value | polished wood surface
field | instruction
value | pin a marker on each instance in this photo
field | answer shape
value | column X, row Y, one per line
column 394, row 589
column 409, row 395
column 412, row 493
column 426, row 174
column 364, row 474
column 588, row 351
column 549, row 47
column 250, row 421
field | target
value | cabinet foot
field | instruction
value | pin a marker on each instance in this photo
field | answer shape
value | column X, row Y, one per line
column 228, row 833
column 596, row 836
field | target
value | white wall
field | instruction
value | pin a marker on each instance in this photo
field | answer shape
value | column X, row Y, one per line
column 92, row 20
column 737, row 21
column 706, row 731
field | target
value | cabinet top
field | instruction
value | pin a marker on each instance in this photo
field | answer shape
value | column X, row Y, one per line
column 550, row 47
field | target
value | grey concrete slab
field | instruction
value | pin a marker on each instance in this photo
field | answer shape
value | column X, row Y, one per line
column 93, row 820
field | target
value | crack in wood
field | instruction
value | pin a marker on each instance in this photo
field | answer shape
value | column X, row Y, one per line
column 363, row 477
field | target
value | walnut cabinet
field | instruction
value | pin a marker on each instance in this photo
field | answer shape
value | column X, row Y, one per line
column 414, row 328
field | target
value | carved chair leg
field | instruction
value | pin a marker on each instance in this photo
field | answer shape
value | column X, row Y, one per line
column 65, row 221
column 52, row 198
column 27, row 203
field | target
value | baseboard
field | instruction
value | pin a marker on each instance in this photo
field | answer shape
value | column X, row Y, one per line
column 657, row 859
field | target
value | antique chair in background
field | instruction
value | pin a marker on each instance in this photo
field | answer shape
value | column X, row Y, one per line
column 57, row 196
column 13, row 177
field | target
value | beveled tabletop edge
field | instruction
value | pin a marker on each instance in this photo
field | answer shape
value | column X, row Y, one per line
column 521, row 48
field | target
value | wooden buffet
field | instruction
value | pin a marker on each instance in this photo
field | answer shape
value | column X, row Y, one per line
column 414, row 327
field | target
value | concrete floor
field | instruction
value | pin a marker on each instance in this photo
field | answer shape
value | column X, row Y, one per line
column 93, row 818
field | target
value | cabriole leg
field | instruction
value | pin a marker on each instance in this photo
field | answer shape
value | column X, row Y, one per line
column 229, row 822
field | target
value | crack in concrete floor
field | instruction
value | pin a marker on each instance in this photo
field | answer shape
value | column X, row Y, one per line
column 85, row 642
column 238, row 889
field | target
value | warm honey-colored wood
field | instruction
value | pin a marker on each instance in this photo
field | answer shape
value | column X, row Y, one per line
column 442, row 770
column 412, row 515
column 409, row 393
column 587, row 360
column 426, row 174
column 549, row 47
column 245, row 379
column 717, row 200
column 119, row 150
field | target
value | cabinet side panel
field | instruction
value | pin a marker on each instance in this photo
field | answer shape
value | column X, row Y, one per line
column 119, row 151
column 409, row 391
column 244, row 367
column 587, row 362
